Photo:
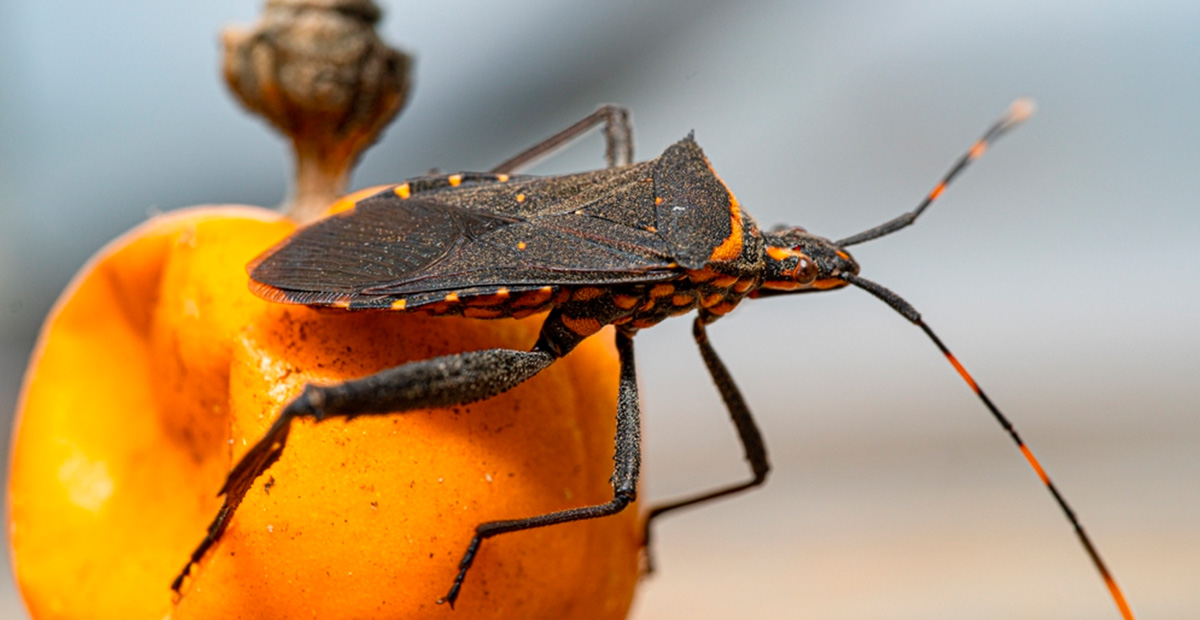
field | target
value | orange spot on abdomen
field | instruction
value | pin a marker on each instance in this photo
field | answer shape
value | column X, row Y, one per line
column 533, row 298
column 499, row 297
column 584, row 326
column 586, row 293
column 625, row 302
column 483, row 313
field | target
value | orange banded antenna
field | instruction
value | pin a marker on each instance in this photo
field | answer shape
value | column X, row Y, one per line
column 1018, row 112
column 898, row 304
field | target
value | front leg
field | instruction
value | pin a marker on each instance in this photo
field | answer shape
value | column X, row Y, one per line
column 439, row 382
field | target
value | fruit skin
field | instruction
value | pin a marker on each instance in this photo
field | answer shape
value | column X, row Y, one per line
column 157, row 368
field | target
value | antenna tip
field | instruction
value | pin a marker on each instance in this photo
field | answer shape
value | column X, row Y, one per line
column 1021, row 110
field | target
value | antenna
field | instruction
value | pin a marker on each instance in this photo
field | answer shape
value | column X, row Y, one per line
column 1018, row 112
column 904, row 308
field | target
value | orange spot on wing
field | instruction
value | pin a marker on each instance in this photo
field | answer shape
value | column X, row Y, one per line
column 503, row 178
column 451, row 298
column 399, row 304
column 520, row 197
column 662, row 290
column 403, row 191
column 683, row 299
column 454, row 180
column 937, row 191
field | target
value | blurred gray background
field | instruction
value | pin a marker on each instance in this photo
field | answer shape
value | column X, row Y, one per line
column 1062, row 269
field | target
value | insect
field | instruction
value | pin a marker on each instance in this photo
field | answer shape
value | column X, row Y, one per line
column 629, row 245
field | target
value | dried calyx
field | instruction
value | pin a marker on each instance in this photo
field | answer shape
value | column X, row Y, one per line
column 317, row 70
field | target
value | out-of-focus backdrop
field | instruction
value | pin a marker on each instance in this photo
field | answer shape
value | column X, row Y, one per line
column 1062, row 269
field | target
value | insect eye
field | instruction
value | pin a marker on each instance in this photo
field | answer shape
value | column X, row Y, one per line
column 805, row 271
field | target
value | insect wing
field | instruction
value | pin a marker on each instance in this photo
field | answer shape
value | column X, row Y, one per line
column 390, row 246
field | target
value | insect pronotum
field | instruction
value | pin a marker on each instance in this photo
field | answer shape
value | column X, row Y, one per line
column 629, row 245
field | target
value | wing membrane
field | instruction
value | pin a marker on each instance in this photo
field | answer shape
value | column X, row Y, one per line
column 389, row 246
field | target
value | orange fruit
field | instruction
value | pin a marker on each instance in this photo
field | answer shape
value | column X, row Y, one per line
column 157, row 369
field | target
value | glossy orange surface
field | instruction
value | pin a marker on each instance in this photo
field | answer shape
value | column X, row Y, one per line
column 157, row 369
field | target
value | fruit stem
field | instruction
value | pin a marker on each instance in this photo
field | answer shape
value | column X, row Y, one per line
column 318, row 72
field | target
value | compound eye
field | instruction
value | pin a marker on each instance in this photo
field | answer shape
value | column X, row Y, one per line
column 805, row 271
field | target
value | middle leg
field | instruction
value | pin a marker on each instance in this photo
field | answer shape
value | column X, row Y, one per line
column 627, row 461
column 748, row 433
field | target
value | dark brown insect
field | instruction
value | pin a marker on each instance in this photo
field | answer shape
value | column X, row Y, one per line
column 629, row 245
